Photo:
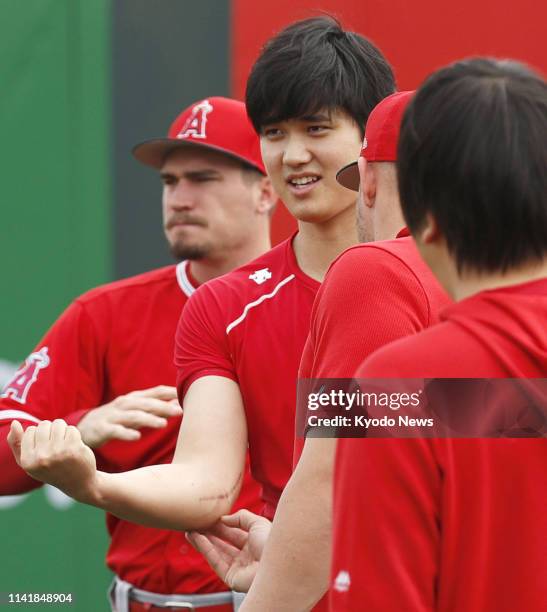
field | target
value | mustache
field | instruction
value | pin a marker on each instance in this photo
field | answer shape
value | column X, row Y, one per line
column 186, row 220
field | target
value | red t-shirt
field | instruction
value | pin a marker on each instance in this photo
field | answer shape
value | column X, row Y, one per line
column 446, row 524
column 373, row 294
column 250, row 326
column 110, row 341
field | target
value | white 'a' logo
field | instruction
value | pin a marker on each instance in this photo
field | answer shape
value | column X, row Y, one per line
column 196, row 124
column 18, row 387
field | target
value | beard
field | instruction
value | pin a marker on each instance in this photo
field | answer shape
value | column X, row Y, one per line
column 181, row 248
column 194, row 252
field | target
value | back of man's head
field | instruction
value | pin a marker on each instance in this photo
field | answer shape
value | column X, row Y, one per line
column 379, row 214
column 315, row 65
column 473, row 155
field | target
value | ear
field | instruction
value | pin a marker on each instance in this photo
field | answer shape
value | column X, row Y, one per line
column 367, row 181
column 266, row 196
column 430, row 232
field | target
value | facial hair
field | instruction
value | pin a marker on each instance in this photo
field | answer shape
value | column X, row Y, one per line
column 193, row 252
column 178, row 247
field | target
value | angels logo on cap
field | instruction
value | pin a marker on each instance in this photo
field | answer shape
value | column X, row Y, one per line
column 215, row 123
column 195, row 126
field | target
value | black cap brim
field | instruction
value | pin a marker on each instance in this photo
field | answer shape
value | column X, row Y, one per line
column 153, row 152
column 348, row 176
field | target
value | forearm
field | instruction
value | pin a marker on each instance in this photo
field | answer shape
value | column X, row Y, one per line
column 294, row 570
column 164, row 496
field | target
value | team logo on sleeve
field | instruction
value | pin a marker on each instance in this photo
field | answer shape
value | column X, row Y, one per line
column 196, row 124
column 261, row 276
column 19, row 386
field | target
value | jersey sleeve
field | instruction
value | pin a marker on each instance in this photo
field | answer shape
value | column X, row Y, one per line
column 369, row 298
column 13, row 480
column 201, row 341
column 386, row 536
column 61, row 378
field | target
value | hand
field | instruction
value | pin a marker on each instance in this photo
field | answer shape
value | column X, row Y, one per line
column 121, row 418
column 233, row 547
column 54, row 453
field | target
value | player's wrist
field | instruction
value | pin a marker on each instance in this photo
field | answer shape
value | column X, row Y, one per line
column 95, row 493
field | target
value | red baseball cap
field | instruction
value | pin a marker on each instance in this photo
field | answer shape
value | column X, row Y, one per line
column 381, row 136
column 220, row 124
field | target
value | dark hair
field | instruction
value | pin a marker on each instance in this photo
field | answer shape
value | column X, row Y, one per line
column 315, row 65
column 473, row 153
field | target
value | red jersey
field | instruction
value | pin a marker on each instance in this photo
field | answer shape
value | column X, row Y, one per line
column 250, row 326
column 373, row 294
column 112, row 340
column 449, row 525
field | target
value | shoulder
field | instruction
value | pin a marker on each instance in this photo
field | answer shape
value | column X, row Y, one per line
column 367, row 259
column 386, row 271
column 435, row 352
column 138, row 283
column 263, row 276
column 374, row 269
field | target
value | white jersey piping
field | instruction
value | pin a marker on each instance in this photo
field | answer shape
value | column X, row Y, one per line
column 17, row 414
column 184, row 281
column 257, row 302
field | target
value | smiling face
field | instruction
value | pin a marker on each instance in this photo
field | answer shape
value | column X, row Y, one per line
column 210, row 203
column 302, row 157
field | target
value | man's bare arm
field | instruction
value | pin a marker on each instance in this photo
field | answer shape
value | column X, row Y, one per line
column 192, row 492
column 294, row 570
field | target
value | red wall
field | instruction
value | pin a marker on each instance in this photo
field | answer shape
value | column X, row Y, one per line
column 416, row 36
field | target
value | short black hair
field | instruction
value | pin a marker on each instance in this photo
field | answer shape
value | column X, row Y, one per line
column 315, row 65
column 473, row 154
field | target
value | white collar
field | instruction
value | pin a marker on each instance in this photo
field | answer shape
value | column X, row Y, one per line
column 184, row 281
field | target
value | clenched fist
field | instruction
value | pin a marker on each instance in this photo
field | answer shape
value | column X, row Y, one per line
column 122, row 418
column 54, row 453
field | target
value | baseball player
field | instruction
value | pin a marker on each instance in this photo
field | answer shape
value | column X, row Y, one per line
column 448, row 524
column 240, row 338
column 106, row 366
column 374, row 293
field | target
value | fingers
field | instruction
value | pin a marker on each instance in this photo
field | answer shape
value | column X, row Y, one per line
column 162, row 392
column 136, row 419
column 243, row 519
column 15, row 437
column 211, row 546
column 51, row 434
column 235, row 536
column 73, row 436
column 224, row 549
column 119, row 432
column 215, row 557
column 27, row 444
column 148, row 404
column 58, row 432
column 43, row 433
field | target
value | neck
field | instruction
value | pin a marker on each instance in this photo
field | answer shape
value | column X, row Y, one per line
column 470, row 283
column 317, row 245
column 204, row 270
